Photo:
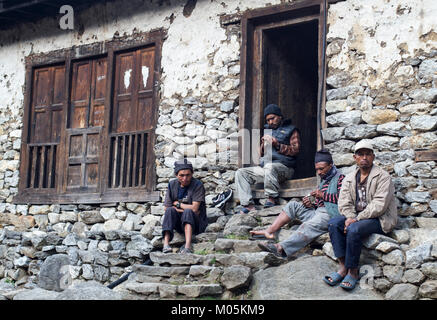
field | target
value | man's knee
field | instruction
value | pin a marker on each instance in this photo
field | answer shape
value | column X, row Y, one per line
column 354, row 230
column 188, row 212
column 170, row 211
column 336, row 222
column 241, row 174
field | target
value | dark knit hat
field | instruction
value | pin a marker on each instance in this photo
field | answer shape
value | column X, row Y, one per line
column 272, row 109
column 182, row 165
column 323, row 155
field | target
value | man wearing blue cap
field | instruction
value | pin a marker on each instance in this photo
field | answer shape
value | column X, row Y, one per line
column 185, row 207
column 279, row 148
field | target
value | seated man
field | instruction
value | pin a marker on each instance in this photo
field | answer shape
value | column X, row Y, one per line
column 185, row 207
column 367, row 205
column 278, row 150
column 315, row 216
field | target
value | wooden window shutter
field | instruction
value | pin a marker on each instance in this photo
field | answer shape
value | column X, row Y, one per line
column 132, row 119
column 41, row 153
column 86, row 115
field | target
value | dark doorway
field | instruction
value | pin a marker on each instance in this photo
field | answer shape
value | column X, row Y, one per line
column 290, row 80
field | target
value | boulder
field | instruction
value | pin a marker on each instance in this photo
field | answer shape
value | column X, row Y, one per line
column 198, row 290
column 90, row 290
column 413, row 276
column 387, row 247
column 91, row 217
column 36, row 294
column 419, row 236
column 428, row 289
column 372, row 241
column 395, row 257
column 54, row 273
column 402, row 292
column 415, row 257
column 236, row 277
column 430, row 270
column 302, row 279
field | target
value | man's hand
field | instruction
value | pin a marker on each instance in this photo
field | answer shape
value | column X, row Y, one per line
column 272, row 140
column 317, row 193
column 348, row 222
column 306, row 202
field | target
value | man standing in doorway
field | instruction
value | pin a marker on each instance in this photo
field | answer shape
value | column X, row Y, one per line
column 278, row 149
column 367, row 205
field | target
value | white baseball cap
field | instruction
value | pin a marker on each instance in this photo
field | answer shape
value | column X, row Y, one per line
column 363, row 144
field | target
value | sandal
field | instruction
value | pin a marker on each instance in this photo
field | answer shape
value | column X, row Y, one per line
column 166, row 249
column 270, row 247
column 336, row 278
column 185, row 250
column 262, row 237
column 350, row 280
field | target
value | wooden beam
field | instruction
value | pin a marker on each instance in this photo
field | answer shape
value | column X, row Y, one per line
column 426, row 155
column 289, row 188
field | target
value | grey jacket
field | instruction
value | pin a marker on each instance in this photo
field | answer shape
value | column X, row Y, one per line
column 380, row 198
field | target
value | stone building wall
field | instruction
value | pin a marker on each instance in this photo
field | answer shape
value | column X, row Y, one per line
column 382, row 85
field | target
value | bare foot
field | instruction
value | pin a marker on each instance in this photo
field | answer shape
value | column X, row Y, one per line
column 263, row 233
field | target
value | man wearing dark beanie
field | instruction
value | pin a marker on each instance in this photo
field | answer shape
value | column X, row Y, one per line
column 278, row 149
column 185, row 207
column 315, row 211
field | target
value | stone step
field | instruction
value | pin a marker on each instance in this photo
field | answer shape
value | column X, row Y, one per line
column 236, row 246
column 171, row 291
column 253, row 260
column 152, row 282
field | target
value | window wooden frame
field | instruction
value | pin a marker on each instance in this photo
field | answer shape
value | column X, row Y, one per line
column 250, row 114
column 102, row 193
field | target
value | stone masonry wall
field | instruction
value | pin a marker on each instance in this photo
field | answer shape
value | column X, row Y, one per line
column 382, row 85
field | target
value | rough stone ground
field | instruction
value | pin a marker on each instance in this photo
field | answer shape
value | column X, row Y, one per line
column 224, row 265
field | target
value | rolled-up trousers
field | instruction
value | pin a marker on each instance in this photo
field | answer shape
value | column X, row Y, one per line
column 272, row 174
column 174, row 220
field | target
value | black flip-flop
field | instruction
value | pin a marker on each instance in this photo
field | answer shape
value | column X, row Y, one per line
column 258, row 237
column 270, row 247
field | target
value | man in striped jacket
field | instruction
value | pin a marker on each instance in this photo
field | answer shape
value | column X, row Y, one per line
column 313, row 214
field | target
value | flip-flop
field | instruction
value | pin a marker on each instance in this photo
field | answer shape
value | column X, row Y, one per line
column 166, row 249
column 348, row 279
column 258, row 237
column 270, row 247
column 336, row 278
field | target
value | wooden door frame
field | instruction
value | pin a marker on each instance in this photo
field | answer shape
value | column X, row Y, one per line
column 250, row 113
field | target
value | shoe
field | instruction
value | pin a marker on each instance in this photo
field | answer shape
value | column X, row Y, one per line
column 269, row 204
column 220, row 200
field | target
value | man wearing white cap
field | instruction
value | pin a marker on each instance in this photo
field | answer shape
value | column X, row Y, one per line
column 367, row 205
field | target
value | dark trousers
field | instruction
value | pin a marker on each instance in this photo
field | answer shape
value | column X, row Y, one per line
column 349, row 245
column 174, row 220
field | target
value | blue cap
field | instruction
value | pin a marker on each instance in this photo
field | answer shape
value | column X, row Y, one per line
column 272, row 109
